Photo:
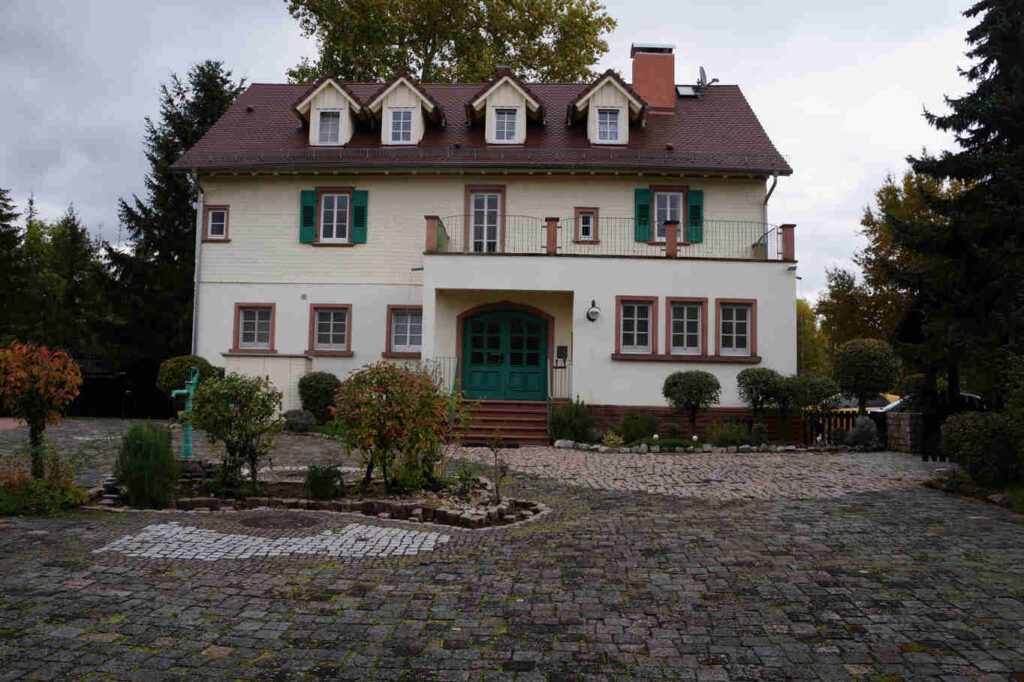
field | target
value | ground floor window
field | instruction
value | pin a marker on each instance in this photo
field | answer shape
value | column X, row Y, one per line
column 406, row 331
column 686, row 331
column 636, row 326
column 331, row 329
column 254, row 327
column 734, row 328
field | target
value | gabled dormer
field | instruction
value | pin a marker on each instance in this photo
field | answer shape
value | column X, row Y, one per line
column 609, row 106
column 330, row 109
column 504, row 105
column 403, row 109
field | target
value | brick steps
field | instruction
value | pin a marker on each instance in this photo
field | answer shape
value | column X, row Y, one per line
column 516, row 422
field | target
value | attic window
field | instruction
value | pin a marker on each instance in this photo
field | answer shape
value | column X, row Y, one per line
column 330, row 127
column 608, row 125
column 401, row 125
column 505, row 125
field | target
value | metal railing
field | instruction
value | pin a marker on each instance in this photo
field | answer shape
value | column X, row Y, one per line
column 613, row 237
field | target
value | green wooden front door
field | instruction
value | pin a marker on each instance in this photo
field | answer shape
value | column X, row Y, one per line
column 505, row 356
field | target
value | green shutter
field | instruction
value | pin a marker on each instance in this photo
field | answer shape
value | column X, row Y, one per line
column 359, row 216
column 695, row 228
column 307, row 216
column 642, row 215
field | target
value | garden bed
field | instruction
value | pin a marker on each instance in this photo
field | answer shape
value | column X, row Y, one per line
column 955, row 482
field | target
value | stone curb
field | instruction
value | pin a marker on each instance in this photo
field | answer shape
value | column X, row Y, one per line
column 705, row 449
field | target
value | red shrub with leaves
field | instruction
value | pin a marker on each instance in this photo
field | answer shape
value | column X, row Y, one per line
column 386, row 410
column 36, row 384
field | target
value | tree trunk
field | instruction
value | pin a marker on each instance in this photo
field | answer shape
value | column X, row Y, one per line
column 953, row 389
column 35, row 444
column 862, row 404
column 693, row 421
column 930, row 416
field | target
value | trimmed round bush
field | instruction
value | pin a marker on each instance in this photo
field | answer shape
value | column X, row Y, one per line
column 692, row 391
column 989, row 446
column 146, row 466
column 756, row 386
column 299, row 421
column 174, row 372
column 318, row 392
column 864, row 367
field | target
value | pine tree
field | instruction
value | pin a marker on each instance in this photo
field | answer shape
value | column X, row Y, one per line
column 153, row 276
column 10, row 243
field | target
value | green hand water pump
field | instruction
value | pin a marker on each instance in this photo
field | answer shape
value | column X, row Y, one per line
column 188, row 392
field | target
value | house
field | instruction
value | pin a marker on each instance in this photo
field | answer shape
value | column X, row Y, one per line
column 529, row 240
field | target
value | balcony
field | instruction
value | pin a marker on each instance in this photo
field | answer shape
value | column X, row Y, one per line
column 612, row 238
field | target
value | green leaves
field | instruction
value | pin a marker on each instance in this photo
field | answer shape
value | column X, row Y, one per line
column 451, row 40
column 692, row 391
column 864, row 367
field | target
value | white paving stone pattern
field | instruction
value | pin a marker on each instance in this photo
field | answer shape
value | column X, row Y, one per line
column 720, row 476
column 177, row 541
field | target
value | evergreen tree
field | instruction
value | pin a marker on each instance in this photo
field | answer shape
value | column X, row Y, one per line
column 10, row 245
column 153, row 276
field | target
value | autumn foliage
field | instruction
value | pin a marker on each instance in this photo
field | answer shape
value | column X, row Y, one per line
column 36, row 384
column 389, row 412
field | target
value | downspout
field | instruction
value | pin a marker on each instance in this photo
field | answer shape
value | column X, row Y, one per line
column 199, row 262
column 775, row 181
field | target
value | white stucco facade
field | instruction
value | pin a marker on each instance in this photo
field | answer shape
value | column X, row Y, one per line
column 264, row 262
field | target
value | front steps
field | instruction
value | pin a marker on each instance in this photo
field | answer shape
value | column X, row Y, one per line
column 517, row 422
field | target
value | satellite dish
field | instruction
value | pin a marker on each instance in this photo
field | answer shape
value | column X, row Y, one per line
column 703, row 79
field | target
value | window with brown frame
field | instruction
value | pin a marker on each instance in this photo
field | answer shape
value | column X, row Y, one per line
column 586, row 225
column 253, row 328
column 737, row 327
column 404, row 332
column 215, row 223
column 330, row 329
column 636, row 325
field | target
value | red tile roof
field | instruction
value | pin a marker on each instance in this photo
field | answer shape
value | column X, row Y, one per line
column 717, row 131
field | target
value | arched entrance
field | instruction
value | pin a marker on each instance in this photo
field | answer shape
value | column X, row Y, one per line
column 505, row 356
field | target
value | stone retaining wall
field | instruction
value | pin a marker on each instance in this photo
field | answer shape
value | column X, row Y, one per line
column 905, row 431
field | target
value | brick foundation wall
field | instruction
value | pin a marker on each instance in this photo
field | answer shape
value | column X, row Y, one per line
column 609, row 416
column 906, row 431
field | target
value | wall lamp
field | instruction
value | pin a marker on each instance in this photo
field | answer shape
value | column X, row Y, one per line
column 593, row 312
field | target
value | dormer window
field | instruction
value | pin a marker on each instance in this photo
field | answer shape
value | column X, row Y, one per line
column 401, row 126
column 330, row 127
column 608, row 125
column 505, row 125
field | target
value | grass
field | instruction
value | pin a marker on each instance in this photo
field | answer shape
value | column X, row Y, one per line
column 1016, row 495
column 330, row 430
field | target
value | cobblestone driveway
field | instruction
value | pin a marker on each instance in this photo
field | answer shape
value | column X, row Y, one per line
column 611, row 585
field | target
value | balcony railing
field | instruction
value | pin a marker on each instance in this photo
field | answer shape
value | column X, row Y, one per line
column 613, row 237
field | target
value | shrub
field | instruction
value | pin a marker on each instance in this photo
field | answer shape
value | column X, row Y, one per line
column 146, row 466
column 864, row 367
column 819, row 392
column 299, row 421
column 390, row 411
column 572, row 420
column 633, row 427
column 174, row 372
column 318, row 392
column 864, row 433
column 36, row 384
column 990, row 446
column 758, row 433
column 241, row 412
column 20, row 493
column 612, row 439
column 693, row 391
column 756, row 387
column 324, row 482
column 728, row 434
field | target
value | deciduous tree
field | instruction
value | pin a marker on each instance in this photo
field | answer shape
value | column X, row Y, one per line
column 864, row 367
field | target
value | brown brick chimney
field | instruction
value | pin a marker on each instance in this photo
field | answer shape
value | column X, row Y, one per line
column 654, row 75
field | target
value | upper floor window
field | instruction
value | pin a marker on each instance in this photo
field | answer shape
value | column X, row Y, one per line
column 667, row 206
column 255, row 328
column 334, row 218
column 586, row 224
column 685, row 328
column 216, row 223
column 401, row 125
column 734, row 329
column 330, row 127
column 635, row 326
column 406, row 331
column 608, row 125
column 485, row 221
column 505, row 125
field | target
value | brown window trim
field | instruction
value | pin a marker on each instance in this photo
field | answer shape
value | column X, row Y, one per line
column 468, row 219
column 682, row 359
column 320, row 192
column 683, row 210
column 311, row 350
column 577, row 212
column 388, row 353
column 703, row 302
column 752, row 302
column 235, row 334
column 653, row 301
column 227, row 223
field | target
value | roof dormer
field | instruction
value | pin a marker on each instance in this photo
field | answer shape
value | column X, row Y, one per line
column 403, row 109
column 329, row 109
column 505, row 104
column 608, row 105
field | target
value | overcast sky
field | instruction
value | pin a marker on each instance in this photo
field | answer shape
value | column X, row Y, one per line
column 838, row 86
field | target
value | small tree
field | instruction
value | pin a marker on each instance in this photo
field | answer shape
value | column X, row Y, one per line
column 782, row 395
column 386, row 410
column 864, row 367
column 36, row 384
column 816, row 395
column 174, row 372
column 242, row 412
column 692, row 391
column 756, row 386
column 318, row 392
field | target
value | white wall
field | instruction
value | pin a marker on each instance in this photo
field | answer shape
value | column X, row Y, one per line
column 608, row 97
column 330, row 99
column 596, row 377
column 402, row 97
